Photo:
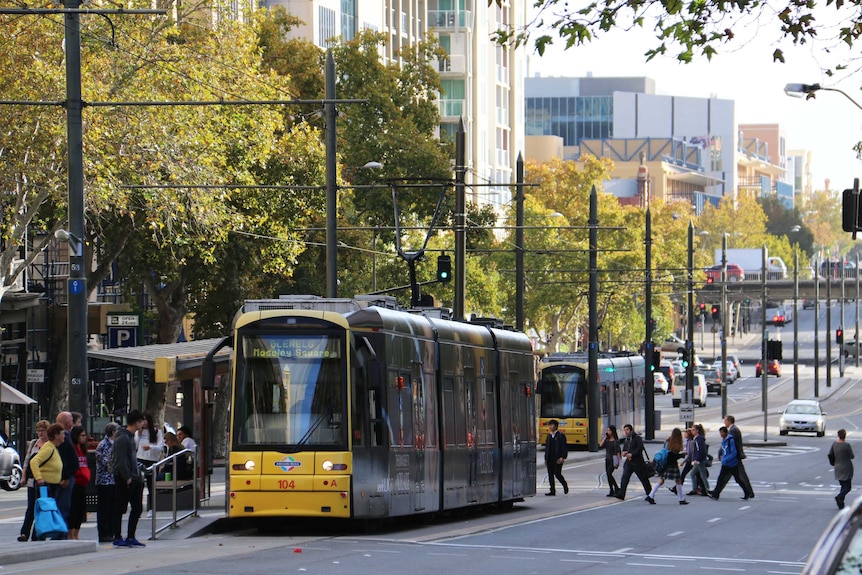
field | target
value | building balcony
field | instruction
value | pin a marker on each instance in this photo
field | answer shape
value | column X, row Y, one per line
column 451, row 108
column 454, row 64
column 449, row 18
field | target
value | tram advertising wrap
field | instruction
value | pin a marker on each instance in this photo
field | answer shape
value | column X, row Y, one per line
column 563, row 390
column 343, row 408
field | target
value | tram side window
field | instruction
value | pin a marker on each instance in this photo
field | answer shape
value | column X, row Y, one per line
column 400, row 416
column 448, row 411
column 604, row 400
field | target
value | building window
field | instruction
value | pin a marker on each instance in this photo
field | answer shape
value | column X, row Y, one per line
column 326, row 26
column 348, row 19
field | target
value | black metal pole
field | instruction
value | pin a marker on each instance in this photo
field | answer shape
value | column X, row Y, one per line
column 520, row 281
column 796, row 322
column 816, row 329
column 725, row 324
column 649, row 403
column 841, row 323
column 689, row 315
column 764, row 362
column 77, row 321
column 829, row 334
column 593, row 406
column 330, row 114
column 856, row 335
column 460, row 222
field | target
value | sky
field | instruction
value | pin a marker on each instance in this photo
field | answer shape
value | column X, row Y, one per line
column 828, row 125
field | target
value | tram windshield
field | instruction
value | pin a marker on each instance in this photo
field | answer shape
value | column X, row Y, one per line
column 564, row 392
column 289, row 392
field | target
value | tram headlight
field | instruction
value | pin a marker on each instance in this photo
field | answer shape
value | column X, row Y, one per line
column 327, row 465
column 249, row 465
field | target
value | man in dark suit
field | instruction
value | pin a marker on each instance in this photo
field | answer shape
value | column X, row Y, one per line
column 744, row 482
column 556, row 452
column 633, row 461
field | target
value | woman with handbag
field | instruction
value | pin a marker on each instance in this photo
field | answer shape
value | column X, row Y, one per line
column 32, row 490
column 611, row 444
column 47, row 465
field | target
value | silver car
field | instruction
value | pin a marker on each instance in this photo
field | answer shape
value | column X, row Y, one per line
column 802, row 415
column 11, row 472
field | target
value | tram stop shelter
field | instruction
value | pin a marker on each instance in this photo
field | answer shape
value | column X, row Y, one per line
column 179, row 363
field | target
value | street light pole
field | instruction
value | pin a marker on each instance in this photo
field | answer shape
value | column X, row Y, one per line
column 841, row 325
column 520, row 282
column 330, row 115
column 799, row 90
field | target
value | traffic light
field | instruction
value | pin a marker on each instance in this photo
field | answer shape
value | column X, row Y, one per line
column 839, row 336
column 850, row 204
column 709, row 280
column 656, row 358
column 444, row 268
column 702, row 308
column 685, row 358
column 716, row 313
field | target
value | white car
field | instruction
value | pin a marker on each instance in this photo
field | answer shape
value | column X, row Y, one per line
column 660, row 383
column 678, row 390
column 802, row 415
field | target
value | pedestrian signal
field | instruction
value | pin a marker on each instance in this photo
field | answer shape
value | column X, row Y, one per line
column 839, row 336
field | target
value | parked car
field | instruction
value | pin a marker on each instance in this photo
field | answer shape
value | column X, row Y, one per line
column 713, row 380
column 802, row 415
column 660, row 384
column 673, row 344
column 734, row 273
column 678, row 389
column 773, row 367
column 11, row 472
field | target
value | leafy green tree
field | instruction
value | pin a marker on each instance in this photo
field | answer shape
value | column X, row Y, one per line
column 692, row 29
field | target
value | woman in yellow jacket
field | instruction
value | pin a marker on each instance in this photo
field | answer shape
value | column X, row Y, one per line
column 47, row 465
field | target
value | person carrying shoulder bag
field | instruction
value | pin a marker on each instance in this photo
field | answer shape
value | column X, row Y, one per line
column 47, row 465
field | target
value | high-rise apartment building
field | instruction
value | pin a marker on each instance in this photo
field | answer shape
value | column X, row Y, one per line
column 482, row 81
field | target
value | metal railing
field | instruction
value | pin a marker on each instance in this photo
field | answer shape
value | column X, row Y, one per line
column 176, row 483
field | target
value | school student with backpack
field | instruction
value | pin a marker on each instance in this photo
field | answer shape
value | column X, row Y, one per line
column 666, row 463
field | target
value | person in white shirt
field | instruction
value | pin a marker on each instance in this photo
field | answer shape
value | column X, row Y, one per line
column 150, row 443
column 184, row 434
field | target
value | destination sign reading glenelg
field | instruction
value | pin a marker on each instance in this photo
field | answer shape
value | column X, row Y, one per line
column 291, row 348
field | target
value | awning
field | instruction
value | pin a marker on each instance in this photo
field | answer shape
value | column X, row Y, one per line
column 170, row 361
column 9, row 394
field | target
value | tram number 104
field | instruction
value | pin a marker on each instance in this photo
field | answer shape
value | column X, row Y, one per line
column 286, row 484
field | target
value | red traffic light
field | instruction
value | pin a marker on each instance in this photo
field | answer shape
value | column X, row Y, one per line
column 839, row 336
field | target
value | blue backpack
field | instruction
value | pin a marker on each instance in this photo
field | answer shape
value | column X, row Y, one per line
column 659, row 460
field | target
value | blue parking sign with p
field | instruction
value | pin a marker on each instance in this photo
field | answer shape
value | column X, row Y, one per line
column 122, row 337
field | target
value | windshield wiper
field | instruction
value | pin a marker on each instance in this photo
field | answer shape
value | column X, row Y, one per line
column 304, row 439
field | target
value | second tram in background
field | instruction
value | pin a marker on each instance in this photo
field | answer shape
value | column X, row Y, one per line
column 563, row 390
